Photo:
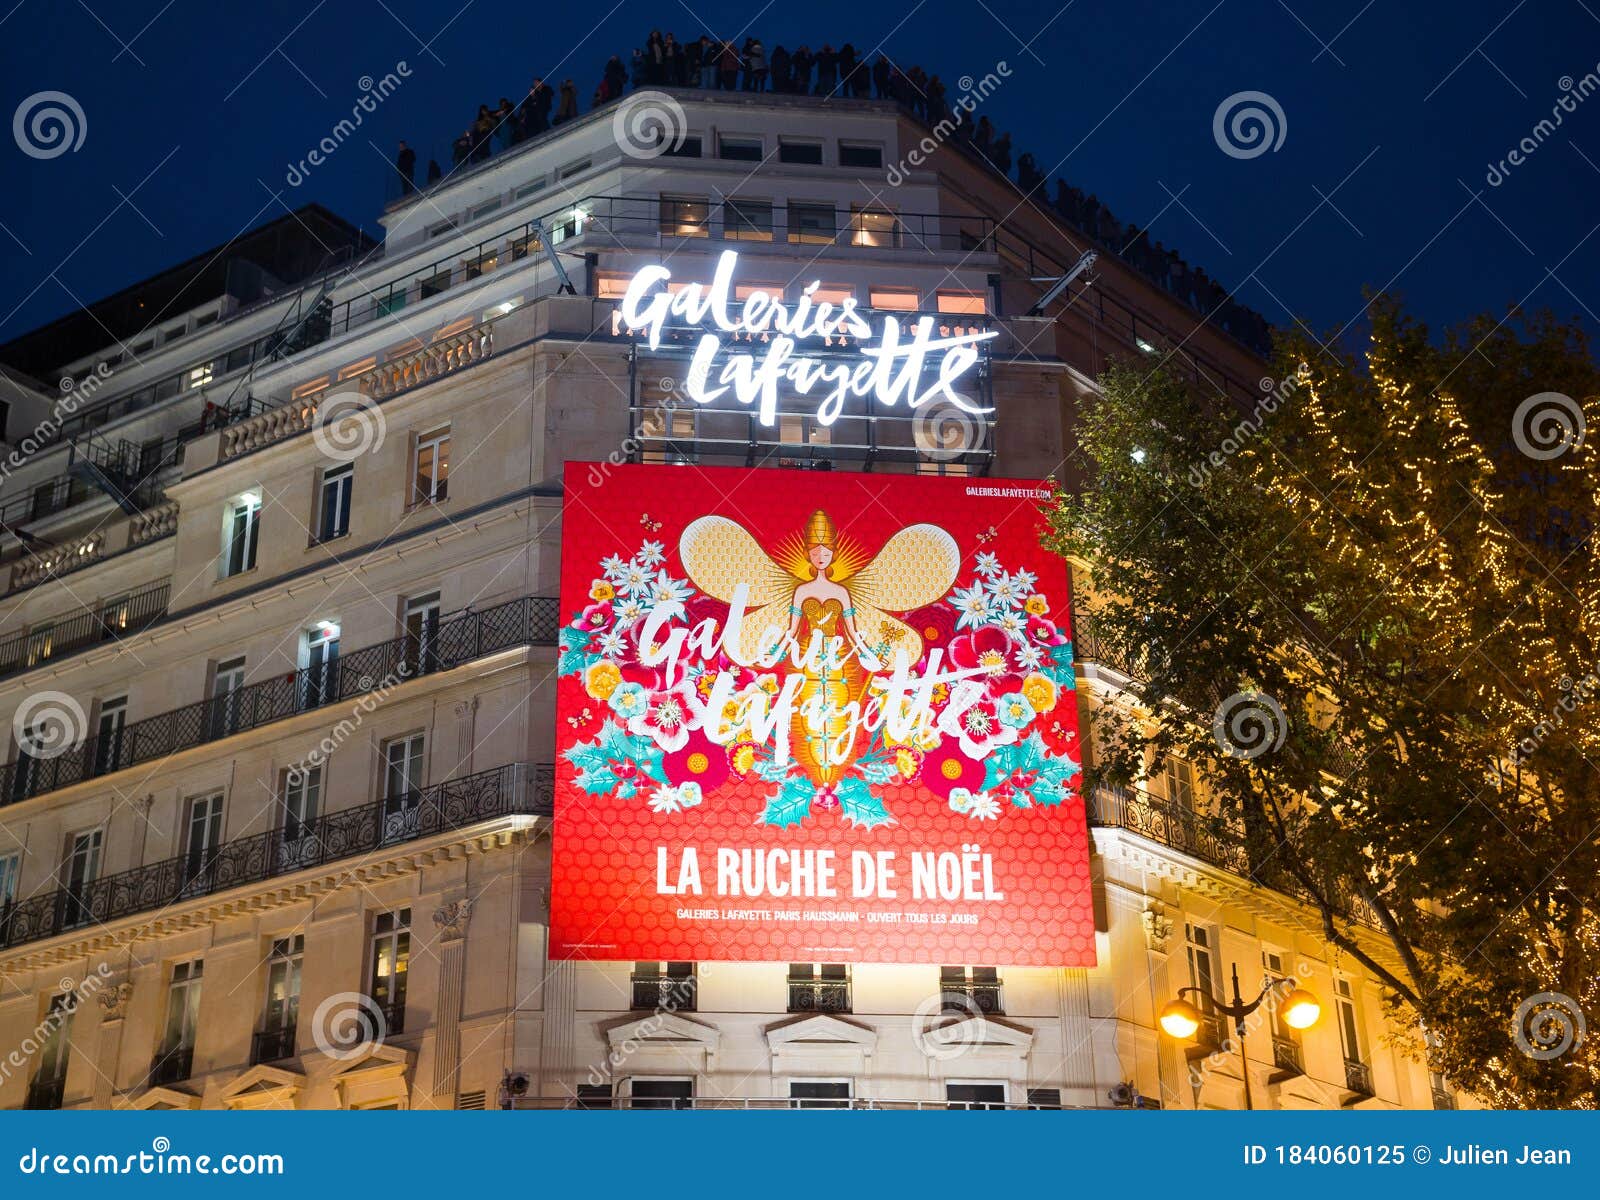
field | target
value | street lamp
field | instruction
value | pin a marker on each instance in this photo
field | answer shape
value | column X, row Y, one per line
column 1181, row 1020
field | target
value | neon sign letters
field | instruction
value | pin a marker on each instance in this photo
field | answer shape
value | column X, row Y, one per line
column 898, row 365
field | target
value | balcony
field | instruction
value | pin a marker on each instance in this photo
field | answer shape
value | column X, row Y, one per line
column 394, row 1018
column 664, row 993
column 456, row 640
column 514, row 789
column 171, row 1066
column 1358, row 1077
column 273, row 1045
column 46, row 1092
column 111, row 621
column 1444, row 1099
column 961, row 998
column 819, row 995
column 1287, row 1055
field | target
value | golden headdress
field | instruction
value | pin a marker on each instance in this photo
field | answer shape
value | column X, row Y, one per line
column 820, row 531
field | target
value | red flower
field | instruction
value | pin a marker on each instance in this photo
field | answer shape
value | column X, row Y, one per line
column 945, row 767
column 993, row 650
column 1044, row 633
column 935, row 625
column 596, row 617
column 700, row 761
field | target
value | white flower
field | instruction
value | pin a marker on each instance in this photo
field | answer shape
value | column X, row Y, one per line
column 987, row 564
column 973, row 605
column 1029, row 655
column 668, row 799
column 983, row 807
column 612, row 644
column 667, row 590
column 689, row 794
column 629, row 611
column 1010, row 622
column 1004, row 589
column 651, row 554
column 613, row 567
column 633, row 579
column 1023, row 581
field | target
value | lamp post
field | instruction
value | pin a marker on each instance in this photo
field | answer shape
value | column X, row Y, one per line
column 1180, row 1019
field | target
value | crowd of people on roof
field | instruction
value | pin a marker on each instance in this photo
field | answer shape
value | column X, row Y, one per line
column 716, row 65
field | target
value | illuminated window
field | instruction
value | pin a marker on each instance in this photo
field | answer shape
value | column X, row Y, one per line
column 182, row 1023
column 480, row 266
column 611, row 287
column 430, row 475
column 894, row 299
column 962, row 303
column 282, row 1015
column 50, row 1076
column 333, row 518
column 834, row 294
column 795, row 429
column 10, row 870
column 1177, row 783
column 1344, row 1002
column 819, row 987
column 747, row 220
column 969, row 990
column 874, row 227
column 812, row 223
column 1200, row 949
column 391, row 955
column 240, row 534
column 685, row 216
column 668, row 436
column 200, row 376
column 664, row 986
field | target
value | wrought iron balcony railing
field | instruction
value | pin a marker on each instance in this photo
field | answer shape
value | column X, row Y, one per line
column 819, row 995
column 455, row 804
column 529, row 620
column 46, row 1092
column 1443, row 1099
column 272, row 1045
column 172, row 1065
column 120, row 617
column 961, row 998
column 667, row 993
column 1358, row 1077
column 1287, row 1055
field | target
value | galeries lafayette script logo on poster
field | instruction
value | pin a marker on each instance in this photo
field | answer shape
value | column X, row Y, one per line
column 815, row 716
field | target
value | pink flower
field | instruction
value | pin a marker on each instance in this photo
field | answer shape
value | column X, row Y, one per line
column 668, row 719
column 992, row 650
column 1044, row 633
column 946, row 768
column 596, row 617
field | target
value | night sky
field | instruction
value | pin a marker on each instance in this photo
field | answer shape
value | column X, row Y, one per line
column 1393, row 114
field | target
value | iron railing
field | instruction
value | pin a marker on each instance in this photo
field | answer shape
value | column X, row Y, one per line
column 111, row 619
column 959, row 999
column 666, row 993
column 1171, row 825
column 45, row 1092
column 1287, row 1055
column 529, row 620
column 272, row 1045
column 171, row 1065
column 775, row 1103
column 455, row 804
column 819, row 995
column 1358, row 1077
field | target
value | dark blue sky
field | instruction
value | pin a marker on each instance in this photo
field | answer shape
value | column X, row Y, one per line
column 1393, row 113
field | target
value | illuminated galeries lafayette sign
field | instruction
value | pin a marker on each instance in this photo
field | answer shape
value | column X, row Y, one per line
column 760, row 344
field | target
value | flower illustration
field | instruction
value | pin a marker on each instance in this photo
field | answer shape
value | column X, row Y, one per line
column 1014, row 710
column 1036, row 605
column 1040, row 691
column 983, row 807
column 651, row 554
column 666, row 800
column 991, row 650
column 986, row 564
column 973, row 605
column 611, row 644
column 601, row 679
column 629, row 611
column 668, row 718
column 613, row 567
column 973, row 719
column 634, row 579
column 701, row 763
column 595, row 618
column 1004, row 590
column 946, row 768
column 742, row 758
column 1044, row 633
column 600, row 589
column 629, row 701
column 689, row 794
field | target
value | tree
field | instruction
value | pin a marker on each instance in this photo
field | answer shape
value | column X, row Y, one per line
column 1378, row 605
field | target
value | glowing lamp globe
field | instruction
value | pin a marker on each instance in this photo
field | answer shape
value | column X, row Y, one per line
column 1301, row 1009
column 1180, row 1019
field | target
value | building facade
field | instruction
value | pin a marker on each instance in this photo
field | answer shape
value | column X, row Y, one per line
column 275, row 817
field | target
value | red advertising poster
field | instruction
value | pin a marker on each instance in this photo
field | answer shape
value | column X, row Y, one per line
column 815, row 717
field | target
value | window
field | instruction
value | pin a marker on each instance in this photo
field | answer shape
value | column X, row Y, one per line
column 860, row 156
column 688, row 147
column 661, row 1093
column 483, row 210
column 301, row 792
column 967, row 990
column 276, row 1040
column 434, row 284
column 571, row 169
column 109, row 749
column 685, row 216
column 421, row 629
column 894, row 299
column 175, row 1059
column 975, row 1095
column 333, row 517
column 402, row 786
column 202, row 833
column 199, row 376
column 319, row 658
column 431, row 476
column 241, row 531
column 669, row 436
column 747, row 220
column 819, row 1093
column 874, row 227
column 391, row 951
column 1286, row 1050
column 814, row 223
column 962, row 303
column 819, row 987
column 481, row 265
column 1177, row 783
column 1357, row 1075
column 50, row 1076
column 594, row 1095
column 664, row 986
column 226, row 686
column 809, row 153
column 79, row 872
column 740, row 149
column 1199, row 949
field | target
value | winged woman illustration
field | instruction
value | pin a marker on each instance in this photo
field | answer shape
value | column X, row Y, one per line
column 814, row 582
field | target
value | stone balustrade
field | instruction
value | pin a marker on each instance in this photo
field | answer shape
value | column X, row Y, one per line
column 158, row 522
column 58, row 560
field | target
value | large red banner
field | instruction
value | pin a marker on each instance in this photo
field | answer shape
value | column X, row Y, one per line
column 815, row 717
